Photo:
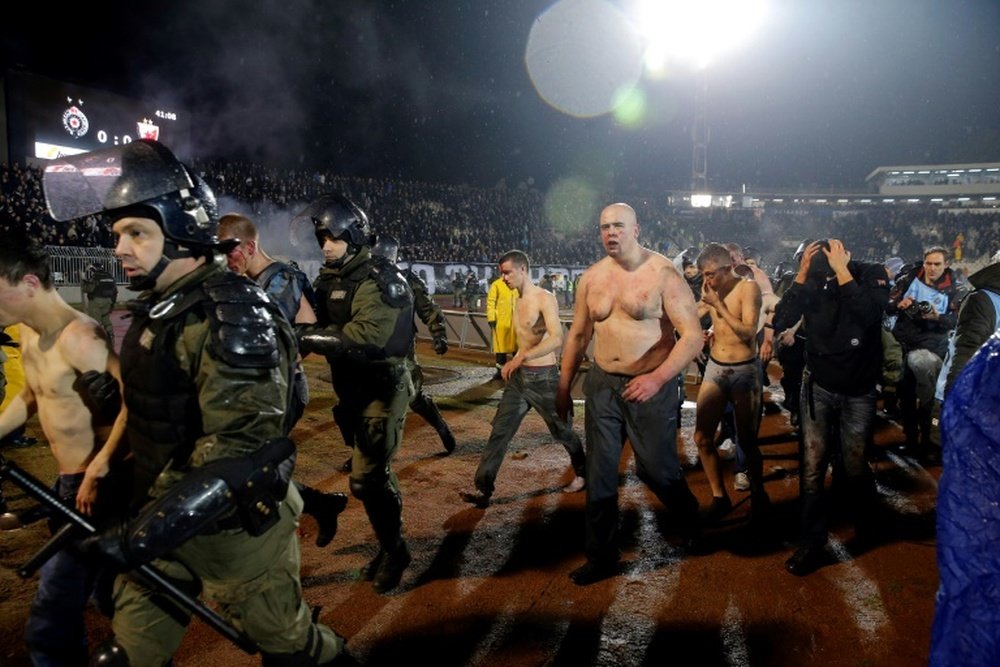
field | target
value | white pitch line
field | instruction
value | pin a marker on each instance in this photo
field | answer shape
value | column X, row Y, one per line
column 630, row 623
column 860, row 593
column 905, row 503
column 734, row 637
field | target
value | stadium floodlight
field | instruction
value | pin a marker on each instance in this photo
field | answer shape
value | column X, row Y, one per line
column 695, row 31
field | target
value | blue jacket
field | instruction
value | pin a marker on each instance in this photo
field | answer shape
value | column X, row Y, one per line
column 966, row 627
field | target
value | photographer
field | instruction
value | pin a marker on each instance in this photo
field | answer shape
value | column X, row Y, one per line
column 925, row 302
column 841, row 304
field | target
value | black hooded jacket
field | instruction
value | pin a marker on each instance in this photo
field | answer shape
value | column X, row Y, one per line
column 842, row 327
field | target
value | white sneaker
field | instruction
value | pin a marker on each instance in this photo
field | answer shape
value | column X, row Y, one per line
column 576, row 485
column 742, row 482
column 727, row 450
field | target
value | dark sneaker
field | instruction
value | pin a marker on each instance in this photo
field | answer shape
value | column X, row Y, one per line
column 477, row 498
column 593, row 571
column 806, row 560
column 390, row 570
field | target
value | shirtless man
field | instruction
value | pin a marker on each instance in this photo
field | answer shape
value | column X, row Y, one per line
column 631, row 303
column 531, row 378
column 59, row 344
column 732, row 374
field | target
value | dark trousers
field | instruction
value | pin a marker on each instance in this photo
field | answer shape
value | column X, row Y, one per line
column 651, row 428
column 834, row 424
column 529, row 387
column 55, row 632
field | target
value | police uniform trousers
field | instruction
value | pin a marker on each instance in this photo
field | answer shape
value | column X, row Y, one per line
column 375, row 403
column 254, row 581
column 99, row 308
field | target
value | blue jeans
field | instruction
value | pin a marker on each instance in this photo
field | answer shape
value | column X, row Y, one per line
column 529, row 387
column 55, row 632
column 834, row 425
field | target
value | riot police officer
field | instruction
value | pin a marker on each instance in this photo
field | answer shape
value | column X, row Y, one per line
column 100, row 292
column 365, row 330
column 430, row 314
column 206, row 368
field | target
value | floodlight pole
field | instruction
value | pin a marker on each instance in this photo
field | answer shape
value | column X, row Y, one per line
column 700, row 134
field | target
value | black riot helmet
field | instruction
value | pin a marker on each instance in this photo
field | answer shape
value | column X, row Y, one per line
column 387, row 245
column 334, row 216
column 141, row 178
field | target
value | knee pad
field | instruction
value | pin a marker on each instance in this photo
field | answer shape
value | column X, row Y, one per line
column 109, row 653
column 360, row 488
column 313, row 652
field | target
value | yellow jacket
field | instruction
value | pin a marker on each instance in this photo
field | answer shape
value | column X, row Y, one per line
column 500, row 315
column 12, row 368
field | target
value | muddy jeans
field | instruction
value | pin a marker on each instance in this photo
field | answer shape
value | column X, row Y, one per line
column 825, row 416
column 529, row 387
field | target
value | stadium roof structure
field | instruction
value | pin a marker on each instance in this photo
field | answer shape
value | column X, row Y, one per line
column 973, row 178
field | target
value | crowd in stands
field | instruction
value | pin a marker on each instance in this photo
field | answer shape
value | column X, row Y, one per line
column 442, row 223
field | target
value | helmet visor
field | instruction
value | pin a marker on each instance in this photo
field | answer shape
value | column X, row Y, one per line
column 80, row 185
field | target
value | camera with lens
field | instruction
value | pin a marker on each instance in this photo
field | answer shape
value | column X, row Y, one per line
column 918, row 309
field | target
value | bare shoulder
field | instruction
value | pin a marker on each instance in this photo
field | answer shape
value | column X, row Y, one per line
column 598, row 272
column 749, row 288
column 661, row 265
column 83, row 345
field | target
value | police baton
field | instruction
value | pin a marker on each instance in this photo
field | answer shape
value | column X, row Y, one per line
column 77, row 525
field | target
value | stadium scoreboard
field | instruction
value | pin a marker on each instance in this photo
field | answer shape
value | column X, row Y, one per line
column 48, row 119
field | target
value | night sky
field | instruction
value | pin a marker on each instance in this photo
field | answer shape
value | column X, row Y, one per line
column 822, row 93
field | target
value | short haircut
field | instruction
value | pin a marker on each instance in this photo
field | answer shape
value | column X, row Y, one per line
column 934, row 249
column 20, row 255
column 515, row 257
column 237, row 226
column 715, row 252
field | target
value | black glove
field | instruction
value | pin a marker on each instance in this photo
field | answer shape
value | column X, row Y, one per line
column 440, row 344
column 110, row 544
column 100, row 393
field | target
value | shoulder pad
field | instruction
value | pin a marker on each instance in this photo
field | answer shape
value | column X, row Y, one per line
column 242, row 321
column 415, row 281
column 395, row 290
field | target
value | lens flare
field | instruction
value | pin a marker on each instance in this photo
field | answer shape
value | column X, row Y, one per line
column 580, row 53
column 571, row 204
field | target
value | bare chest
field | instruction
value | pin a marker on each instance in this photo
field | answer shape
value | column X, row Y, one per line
column 631, row 296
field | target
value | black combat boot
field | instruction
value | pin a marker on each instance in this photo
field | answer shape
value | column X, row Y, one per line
column 424, row 406
column 325, row 508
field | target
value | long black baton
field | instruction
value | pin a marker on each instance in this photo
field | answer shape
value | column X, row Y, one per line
column 151, row 575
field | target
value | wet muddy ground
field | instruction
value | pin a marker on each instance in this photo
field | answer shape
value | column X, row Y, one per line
column 490, row 587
